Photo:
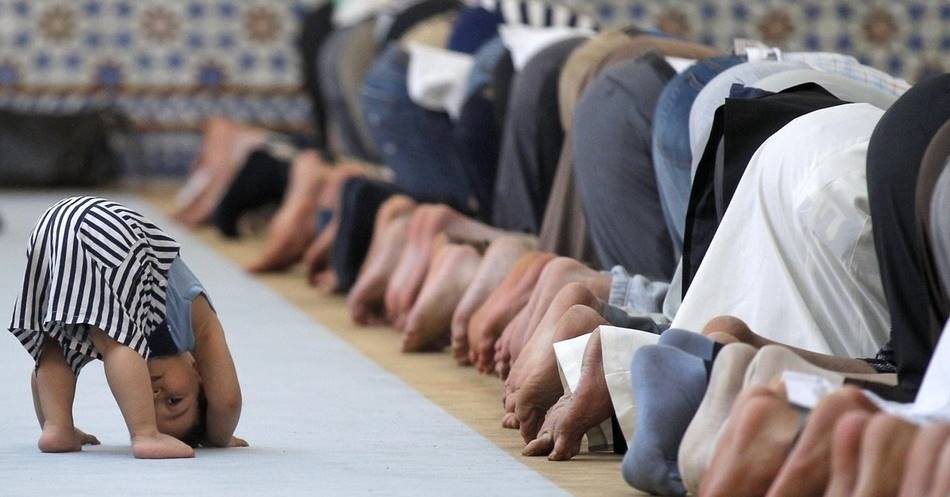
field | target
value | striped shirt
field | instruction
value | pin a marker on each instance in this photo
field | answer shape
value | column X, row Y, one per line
column 851, row 68
column 538, row 13
column 92, row 263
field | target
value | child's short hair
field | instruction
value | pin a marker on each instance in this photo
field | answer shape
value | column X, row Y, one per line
column 195, row 436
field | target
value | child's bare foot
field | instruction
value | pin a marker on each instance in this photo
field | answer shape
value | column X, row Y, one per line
column 55, row 439
column 500, row 257
column 294, row 225
column 453, row 268
column 160, row 446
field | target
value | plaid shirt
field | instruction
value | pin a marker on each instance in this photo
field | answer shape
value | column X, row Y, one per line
column 849, row 67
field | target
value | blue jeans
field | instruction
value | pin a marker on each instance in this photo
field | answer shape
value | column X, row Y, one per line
column 671, row 151
column 419, row 145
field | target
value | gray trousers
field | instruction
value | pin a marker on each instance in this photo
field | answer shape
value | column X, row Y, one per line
column 613, row 167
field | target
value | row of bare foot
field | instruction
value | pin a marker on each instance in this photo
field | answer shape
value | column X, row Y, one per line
column 225, row 146
column 428, row 275
column 314, row 186
column 501, row 311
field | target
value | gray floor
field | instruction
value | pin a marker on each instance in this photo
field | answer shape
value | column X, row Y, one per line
column 321, row 419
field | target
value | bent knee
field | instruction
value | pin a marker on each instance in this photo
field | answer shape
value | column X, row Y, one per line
column 506, row 243
column 394, row 206
column 849, row 430
column 575, row 293
column 759, row 407
column 728, row 326
column 581, row 315
column 846, row 398
column 883, row 430
column 559, row 267
column 436, row 213
column 750, row 392
column 309, row 158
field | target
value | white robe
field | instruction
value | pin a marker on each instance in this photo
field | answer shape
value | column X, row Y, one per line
column 794, row 255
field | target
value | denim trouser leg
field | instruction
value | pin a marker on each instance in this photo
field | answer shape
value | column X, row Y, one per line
column 478, row 144
column 477, row 130
column 671, row 152
column 418, row 144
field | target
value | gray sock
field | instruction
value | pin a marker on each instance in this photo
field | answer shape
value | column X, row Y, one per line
column 693, row 343
column 668, row 385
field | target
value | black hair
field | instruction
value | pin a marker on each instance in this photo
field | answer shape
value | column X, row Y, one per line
column 196, row 435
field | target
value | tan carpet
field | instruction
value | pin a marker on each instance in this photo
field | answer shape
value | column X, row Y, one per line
column 472, row 398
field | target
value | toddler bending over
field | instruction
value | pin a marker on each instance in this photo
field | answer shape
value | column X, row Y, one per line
column 103, row 282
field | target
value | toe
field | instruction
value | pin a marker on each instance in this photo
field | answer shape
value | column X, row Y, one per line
column 509, row 421
column 566, row 446
column 540, row 446
column 529, row 420
column 502, row 369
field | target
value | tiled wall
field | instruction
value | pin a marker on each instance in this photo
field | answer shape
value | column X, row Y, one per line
column 171, row 63
column 167, row 63
column 907, row 38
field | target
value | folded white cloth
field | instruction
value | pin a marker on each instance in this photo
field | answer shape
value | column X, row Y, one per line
column 351, row 12
column 437, row 78
column 524, row 42
column 932, row 404
column 680, row 64
column 618, row 346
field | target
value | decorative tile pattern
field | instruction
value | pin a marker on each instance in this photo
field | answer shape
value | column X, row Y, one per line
column 151, row 43
column 167, row 63
column 907, row 38
column 171, row 63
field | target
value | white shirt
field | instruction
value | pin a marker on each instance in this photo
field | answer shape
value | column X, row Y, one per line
column 351, row 12
column 794, row 255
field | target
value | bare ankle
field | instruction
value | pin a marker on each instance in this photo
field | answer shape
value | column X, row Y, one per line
column 58, row 438
column 143, row 434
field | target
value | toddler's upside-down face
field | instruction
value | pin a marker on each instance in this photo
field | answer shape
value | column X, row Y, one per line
column 176, row 389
